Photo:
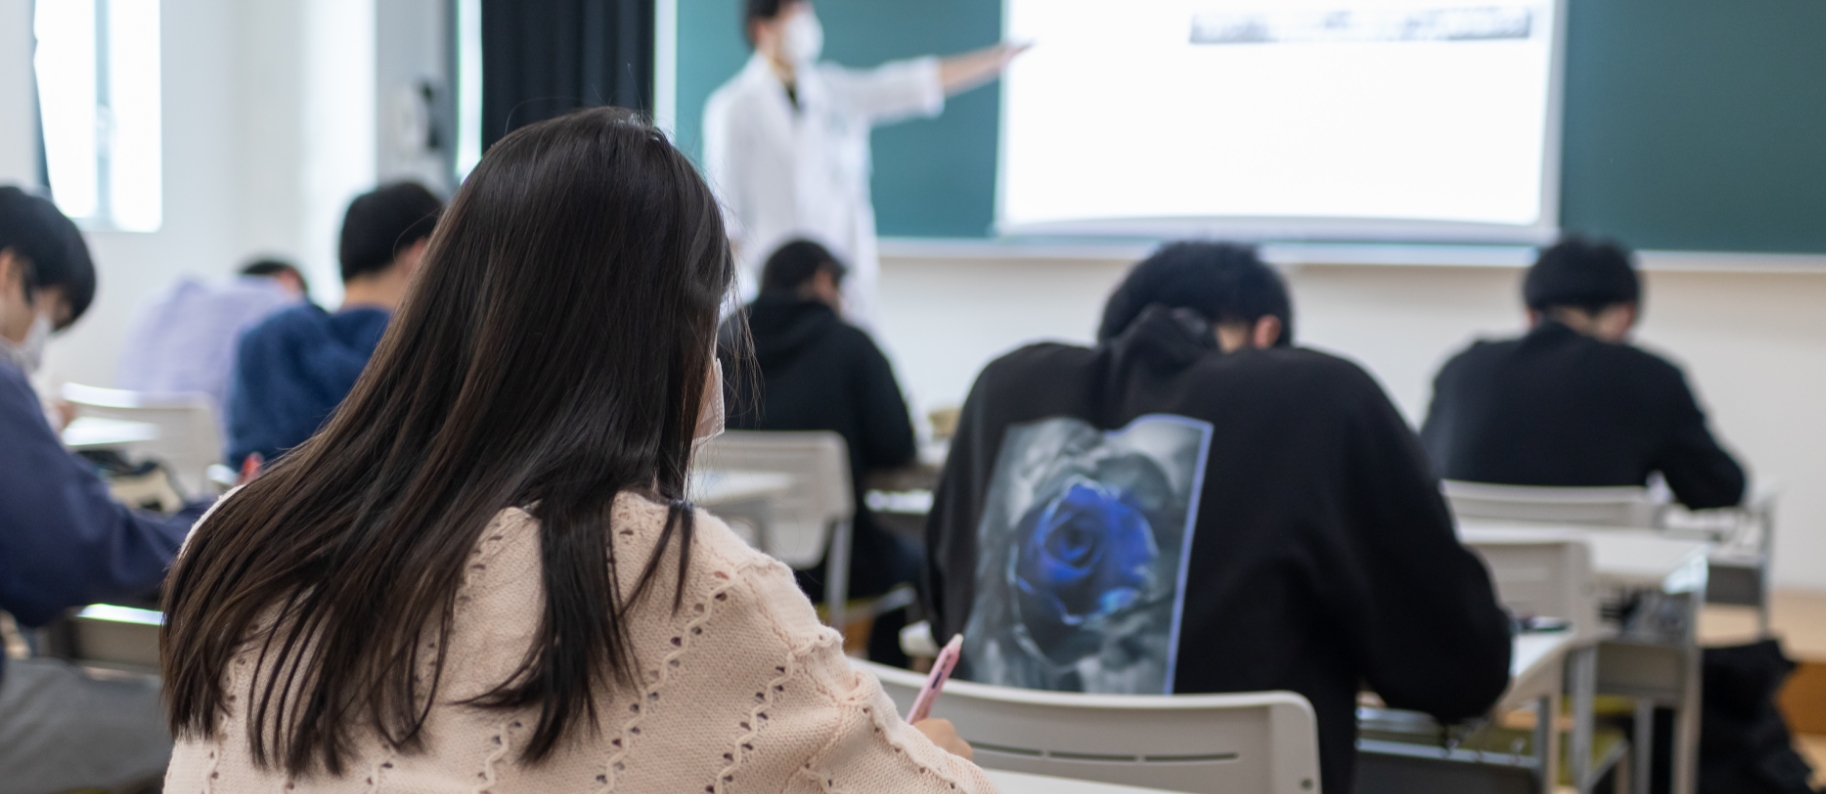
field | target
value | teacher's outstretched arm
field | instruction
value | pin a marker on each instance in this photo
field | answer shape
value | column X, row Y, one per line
column 963, row 72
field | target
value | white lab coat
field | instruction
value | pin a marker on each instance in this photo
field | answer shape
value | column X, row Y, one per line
column 783, row 173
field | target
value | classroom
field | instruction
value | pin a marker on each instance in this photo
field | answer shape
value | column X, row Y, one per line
column 1168, row 396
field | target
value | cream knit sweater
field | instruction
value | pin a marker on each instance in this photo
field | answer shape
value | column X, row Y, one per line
column 743, row 691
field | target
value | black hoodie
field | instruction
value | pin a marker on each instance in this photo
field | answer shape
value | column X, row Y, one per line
column 817, row 372
column 1322, row 556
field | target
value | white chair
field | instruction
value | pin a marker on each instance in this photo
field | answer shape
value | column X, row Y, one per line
column 188, row 441
column 814, row 514
column 1247, row 743
column 1544, row 574
column 1626, row 506
column 1745, row 535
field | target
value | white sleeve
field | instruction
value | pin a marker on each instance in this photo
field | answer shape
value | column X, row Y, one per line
column 722, row 163
column 887, row 93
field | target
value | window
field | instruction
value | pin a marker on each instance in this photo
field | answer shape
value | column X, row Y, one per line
column 97, row 63
column 469, row 86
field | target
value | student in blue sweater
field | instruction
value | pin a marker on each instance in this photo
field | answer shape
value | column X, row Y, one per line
column 293, row 368
column 63, row 542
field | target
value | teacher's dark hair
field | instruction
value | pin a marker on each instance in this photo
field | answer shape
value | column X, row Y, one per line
column 760, row 11
column 551, row 354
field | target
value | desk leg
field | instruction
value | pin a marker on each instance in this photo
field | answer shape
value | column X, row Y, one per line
column 1642, row 747
column 1583, row 681
column 837, row 576
column 1546, row 742
column 1686, row 727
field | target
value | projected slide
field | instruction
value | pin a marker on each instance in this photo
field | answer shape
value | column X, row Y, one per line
column 1350, row 119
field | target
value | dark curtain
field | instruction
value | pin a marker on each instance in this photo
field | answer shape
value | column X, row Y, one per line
column 543, row 58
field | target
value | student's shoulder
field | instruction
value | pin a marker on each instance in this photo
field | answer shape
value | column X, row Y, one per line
column 292, row 322
column 18, row 401
column 1037, row 360
column 741, row 90
column 1650, row 370
column 1308, row 371
column 1485, row 349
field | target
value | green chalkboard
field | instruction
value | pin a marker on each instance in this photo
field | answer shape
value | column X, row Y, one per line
column 1697, row 124
column 1689, row 124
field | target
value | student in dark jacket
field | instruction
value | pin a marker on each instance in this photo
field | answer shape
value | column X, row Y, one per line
column 296, row 366
column 63, row 542
column 816, row 372
column 1572, row 403
column 1196, row 505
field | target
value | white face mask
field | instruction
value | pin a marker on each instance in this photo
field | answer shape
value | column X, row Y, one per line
column 710, row 412
column 29, row 354
column 803, row 38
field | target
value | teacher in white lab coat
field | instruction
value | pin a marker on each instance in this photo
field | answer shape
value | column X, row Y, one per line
column 786, row 141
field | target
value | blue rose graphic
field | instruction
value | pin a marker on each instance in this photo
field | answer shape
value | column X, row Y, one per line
column 1083, row 554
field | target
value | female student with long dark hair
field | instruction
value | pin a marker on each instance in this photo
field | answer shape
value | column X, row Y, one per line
column 481, row 574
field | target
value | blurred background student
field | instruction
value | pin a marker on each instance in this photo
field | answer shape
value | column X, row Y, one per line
column 183, row 341
column 294, row 368
column 818, row 372
column 1573, row 402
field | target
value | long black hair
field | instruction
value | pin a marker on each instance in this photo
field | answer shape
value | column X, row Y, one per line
column 552, row 353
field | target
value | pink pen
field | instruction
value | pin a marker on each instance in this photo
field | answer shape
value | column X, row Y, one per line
column 935, row 683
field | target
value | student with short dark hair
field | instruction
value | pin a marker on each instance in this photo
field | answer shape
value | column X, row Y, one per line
column 183, row 340
column 1197, row 505
column 1572, row 403
column 483, row 574
column 294, row 368
column 814, row 371
column 63, row 541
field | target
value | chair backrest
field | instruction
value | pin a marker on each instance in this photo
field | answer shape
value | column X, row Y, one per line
column 189, row 438
column 1247, row 743
column 799, row 521
column 1601, row 507
column 1546, row 573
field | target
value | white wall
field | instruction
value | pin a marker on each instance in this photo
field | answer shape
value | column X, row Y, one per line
column 410, row 38
column 18, row 137
column 338, row 157
column 1753, row 344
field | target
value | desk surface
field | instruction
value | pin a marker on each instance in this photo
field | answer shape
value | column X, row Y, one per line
column 1630, row 557
column 1022, row 783
column 712, row 487
column 95, row 432
column 1535, row 666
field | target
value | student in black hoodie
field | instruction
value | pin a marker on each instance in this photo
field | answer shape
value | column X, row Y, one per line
column 1572, row 403
column 817, row 372
column 1196, row 505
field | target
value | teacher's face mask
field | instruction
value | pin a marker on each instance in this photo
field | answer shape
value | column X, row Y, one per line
column 803, row 37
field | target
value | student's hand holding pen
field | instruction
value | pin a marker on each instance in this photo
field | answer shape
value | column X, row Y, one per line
column 944, row 734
